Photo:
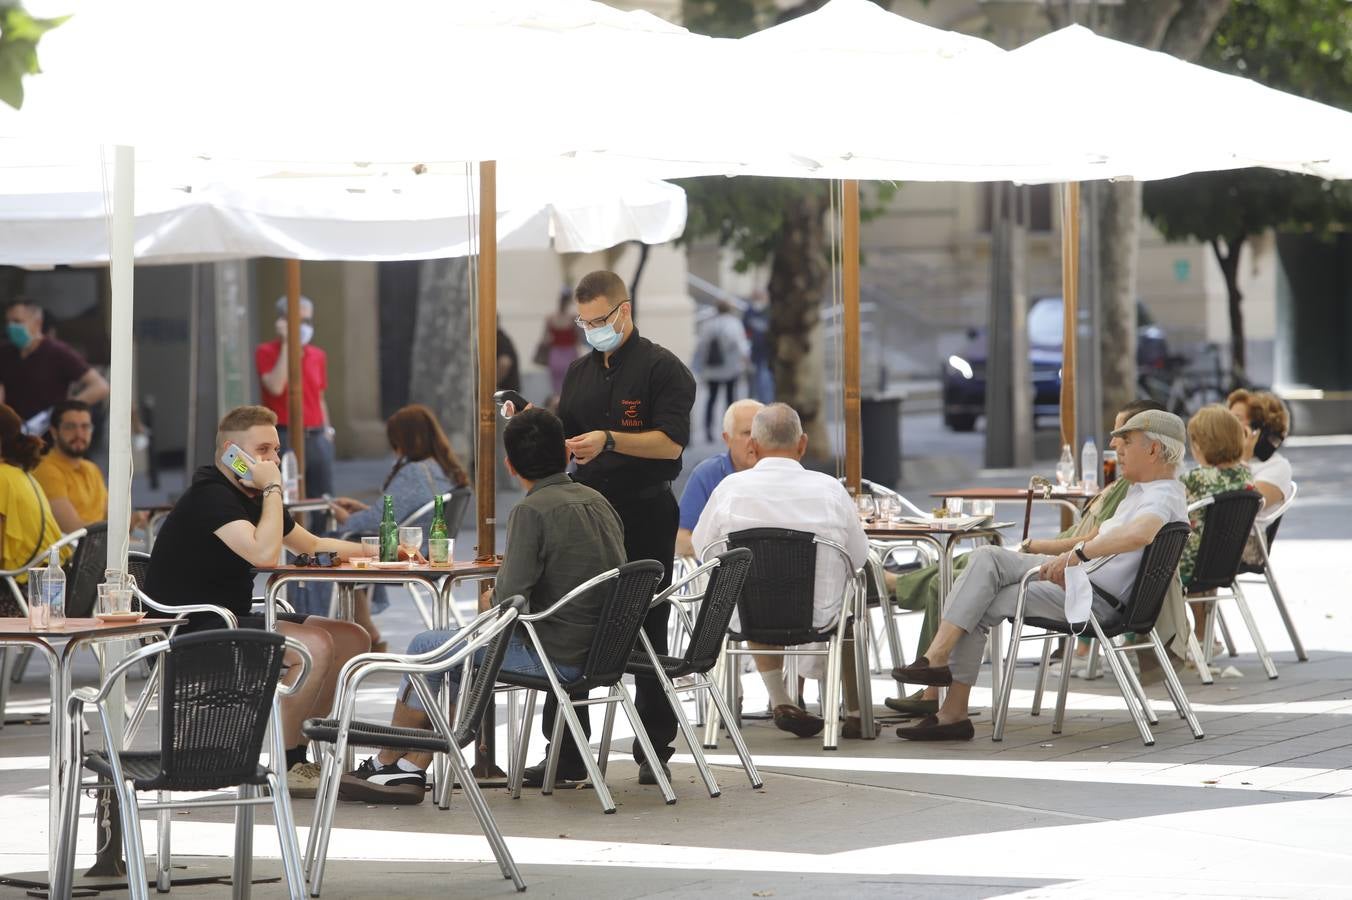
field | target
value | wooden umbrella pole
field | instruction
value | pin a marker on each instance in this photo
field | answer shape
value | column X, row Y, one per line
column 295, row 381
column 1070, row 291
column 485, row 473
column 849, row 251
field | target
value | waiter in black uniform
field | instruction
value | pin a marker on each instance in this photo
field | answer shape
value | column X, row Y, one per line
column 626, row 414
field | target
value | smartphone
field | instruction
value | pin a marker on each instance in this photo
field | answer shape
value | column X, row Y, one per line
column 501, row 398
column 237, row 461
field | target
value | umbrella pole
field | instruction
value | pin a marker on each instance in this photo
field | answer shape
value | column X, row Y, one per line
column 295, row 381
column 1070, row 291
column 849, row 249
column 485, row 472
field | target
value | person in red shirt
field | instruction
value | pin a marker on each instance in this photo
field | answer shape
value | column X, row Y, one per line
column 271, row 361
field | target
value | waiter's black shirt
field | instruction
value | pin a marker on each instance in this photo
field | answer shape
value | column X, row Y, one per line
column 646, row 388
column 189, row 563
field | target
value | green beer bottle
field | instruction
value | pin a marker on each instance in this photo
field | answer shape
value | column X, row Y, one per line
column 437, row 547
column 389, row 533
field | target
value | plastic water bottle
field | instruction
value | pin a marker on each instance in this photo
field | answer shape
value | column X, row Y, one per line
column 290, row 477
column 53, row 590
column 1065, row 469
column 1089, row 466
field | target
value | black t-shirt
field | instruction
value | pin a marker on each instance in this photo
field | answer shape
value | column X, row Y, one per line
column 512, row 380
column 645, row 388
column 189, row 563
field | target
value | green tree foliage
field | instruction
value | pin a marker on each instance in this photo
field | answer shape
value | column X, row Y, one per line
column 1303, row 47
column 19, row 36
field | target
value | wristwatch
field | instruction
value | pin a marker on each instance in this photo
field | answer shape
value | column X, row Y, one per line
column 1079, row 551
column 1026, row 545
column 610, row 442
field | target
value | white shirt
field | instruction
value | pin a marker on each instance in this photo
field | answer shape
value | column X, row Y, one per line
column 1276, row 471
column 780, row 493
column 1167, row 500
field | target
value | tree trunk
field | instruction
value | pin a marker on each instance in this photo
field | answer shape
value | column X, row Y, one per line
column 1229, row 263
column 797, row 281
column 442, row 371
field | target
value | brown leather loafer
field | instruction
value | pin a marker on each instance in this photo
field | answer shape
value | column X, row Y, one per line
column 798, row 721
column 929, row 729
column 921, row 672
column 851, row 729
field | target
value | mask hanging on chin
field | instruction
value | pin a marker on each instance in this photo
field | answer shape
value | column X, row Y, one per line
column 18, row 335
column 605, row 338
column 1267, row 443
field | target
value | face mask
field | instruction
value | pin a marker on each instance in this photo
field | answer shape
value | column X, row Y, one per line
column 605, row 338
column 18, row 334
column 307, row 331
column 1266, row 445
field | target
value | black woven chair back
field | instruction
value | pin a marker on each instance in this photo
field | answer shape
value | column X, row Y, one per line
column 1225, row 529
column 777, row 600
column 630, row 594
column 1157, row 571
column 721, row 594
column 456, row 505
column 85, row 571
column 138, row 564
column 483, row 676
column 218, row 693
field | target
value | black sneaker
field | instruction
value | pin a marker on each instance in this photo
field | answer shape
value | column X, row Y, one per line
column 374, row 783
column 534, row 776
column 646, row 775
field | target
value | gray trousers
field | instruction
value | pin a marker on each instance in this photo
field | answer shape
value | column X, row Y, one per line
column 987, row 592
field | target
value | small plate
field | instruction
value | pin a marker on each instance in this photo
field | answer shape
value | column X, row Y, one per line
column 120, row 618
column 401, row 564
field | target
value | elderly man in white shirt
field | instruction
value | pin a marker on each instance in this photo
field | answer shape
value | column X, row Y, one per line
column 1150, row 449
column 779, row 493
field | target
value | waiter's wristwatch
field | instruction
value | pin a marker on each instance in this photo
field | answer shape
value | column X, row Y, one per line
column 610, row 442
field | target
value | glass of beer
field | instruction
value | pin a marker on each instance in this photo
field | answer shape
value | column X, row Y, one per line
column 1109, row 467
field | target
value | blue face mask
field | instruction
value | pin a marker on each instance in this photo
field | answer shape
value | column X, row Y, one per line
column 18, row 334
column 605, row 338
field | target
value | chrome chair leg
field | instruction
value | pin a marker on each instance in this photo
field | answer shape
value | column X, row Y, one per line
column 1123, row 685
column 131, row 841
column 1175, row 686
column 555, row 750
column 1000, row 700
column 522, row 743
column 735, row 733
column 1199, row 659
column 831, row 694
column 163, row 860
column 1041, row 681
column 286, row 836
column 712, row 711
column 1063, row 683
column 1285, row 613
column 1225, row 633
column 475, row 797
column 242, row 875
column 1091, row 665
column 607, row 732
column 1147, row 708
column 641, row 735
column 1268, row 666
column 593, row 772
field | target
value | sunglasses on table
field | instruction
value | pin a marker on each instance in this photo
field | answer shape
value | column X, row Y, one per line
column 324, row 559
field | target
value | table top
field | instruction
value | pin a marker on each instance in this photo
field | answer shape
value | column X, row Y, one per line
column 1014, row 493
column 458, row 569
column 903, row 530
column 19, row 626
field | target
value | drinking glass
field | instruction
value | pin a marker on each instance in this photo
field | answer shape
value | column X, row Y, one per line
column 104, row 604
column 370, row 547
column 889, row 508
column 440, row 551
column 867, row 507
column 954, row 506
column 983, row 508
column 39, row 613
column 410, row 540
column 119, row 600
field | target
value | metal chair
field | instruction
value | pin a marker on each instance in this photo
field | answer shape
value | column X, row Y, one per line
column 776, row 608
column 629, row 593
column 84, row 571
column 222, row 689
column 1265, row 532
column 20, row 603
column 1230, row 518
column 726, row 575
column 1157, row 570
column 488, row 634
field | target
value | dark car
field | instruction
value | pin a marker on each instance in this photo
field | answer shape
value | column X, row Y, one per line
column 964, row 375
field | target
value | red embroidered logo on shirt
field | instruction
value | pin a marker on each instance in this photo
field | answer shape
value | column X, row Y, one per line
column 631, row 419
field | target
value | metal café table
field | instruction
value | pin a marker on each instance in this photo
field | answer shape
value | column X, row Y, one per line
column 1072, row 500
column 18, row 632
column 944, row 539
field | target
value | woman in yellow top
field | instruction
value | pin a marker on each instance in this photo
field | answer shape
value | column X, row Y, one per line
column 27, row 526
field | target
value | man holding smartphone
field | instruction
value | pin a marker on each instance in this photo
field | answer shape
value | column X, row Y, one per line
column 230, row 520
column 626, row 412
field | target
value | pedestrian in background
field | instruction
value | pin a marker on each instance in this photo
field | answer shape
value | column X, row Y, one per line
column 721, row 356
column 756, row 319
column 271, row 360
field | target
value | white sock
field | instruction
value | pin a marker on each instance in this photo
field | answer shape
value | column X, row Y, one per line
column 774, row 683
column 406, row 766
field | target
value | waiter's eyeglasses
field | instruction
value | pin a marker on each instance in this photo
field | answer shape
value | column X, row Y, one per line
column 597, row 323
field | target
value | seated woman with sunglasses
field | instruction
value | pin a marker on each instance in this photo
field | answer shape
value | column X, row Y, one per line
column 424, row 466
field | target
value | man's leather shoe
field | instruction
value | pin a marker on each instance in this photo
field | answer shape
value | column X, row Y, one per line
column 914, row 707
column 921, row 672
column 852, row 729
column 798, row 721
column 534, row 776
column 646, row 775
column 929, row 729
